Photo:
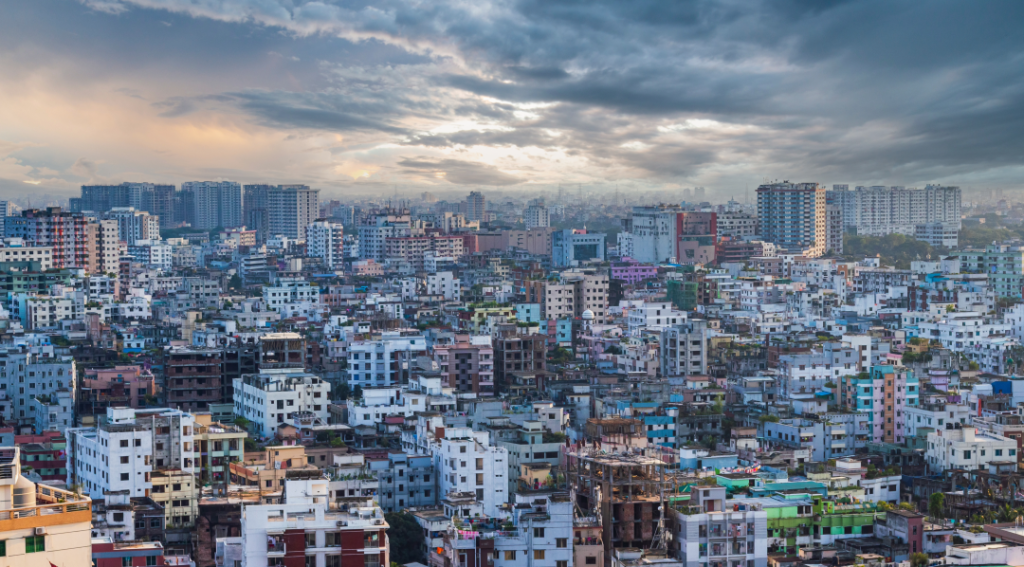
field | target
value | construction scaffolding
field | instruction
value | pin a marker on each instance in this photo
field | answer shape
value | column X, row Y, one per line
column 625, row 491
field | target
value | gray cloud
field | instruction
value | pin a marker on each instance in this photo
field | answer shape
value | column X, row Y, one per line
column 703, row 91
column 459, row 172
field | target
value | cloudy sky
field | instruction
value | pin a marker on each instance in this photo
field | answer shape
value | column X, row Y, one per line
column 357, row 97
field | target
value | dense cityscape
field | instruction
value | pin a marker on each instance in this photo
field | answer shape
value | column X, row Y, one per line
column 221, row 374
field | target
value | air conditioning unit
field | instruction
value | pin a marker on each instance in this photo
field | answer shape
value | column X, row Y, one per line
column 39, row 531
column 378, row 522
column 342, row 523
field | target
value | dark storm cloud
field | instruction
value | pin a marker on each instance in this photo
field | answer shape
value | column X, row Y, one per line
column 862, row 91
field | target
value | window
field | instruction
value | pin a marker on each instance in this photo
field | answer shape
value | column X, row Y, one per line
column 538, row 554
column 332, row 539
column 561, row 542
column 310, row 539
column 150, row 561
column 124, row 442
column 967, row 454
column 126, row 562
column 124, row 476
column 591, row 560
column 333, row 561
column 124, row 460
column 35, row 544
column 510, row 556
column 311, row 561
column 561, row 564
column 371, row 560
column 371, row 539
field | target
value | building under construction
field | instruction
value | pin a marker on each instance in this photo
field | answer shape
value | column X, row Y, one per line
column 626, row 492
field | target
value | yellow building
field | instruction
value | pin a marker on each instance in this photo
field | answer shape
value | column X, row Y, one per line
column 40, row 525
column 216, row 446
column 176, row 491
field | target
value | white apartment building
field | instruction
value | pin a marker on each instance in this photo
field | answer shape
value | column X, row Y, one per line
column 373, row 234
column 384, row 362
column 722, row 531
column 653, row 317
column 123, row 453
column 154, row 254
column 683, row 349
column 966, row 448
column 536, row 215
column 12, row 252
column 269, row 398
column 444, row 284
column 325, row 239
column 934, row 416
column 879, row 210
column 467, row 464
column 332, row 535
column 736, row 225
column 287, row 291
column 424, row 394
column 959, row 331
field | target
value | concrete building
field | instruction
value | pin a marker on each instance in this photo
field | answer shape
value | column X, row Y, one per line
column 468, row 366
column 133, row 225
column 475, row 206
column 124, row 452
column 958, row 447
column 269, row 398
column 884, row 395
column 683, row 349
column 879, row 210
column 307, row 525
column 218, row 204
column 324, row 239
column 572, row 247
column 384, row 362
column 44, row 526
column 291, row 209
column 717, row 529
column 793, row 217
column 667, row 233
column 28, row 372
column 536, row 215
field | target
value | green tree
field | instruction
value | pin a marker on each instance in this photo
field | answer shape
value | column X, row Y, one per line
column 907, row 506
column 884, row 506
column 344, row 392
column 406, row 538
column 919, row 560
column 357, row 392
column 235, row 283
column 242, row 422
column 936, row 505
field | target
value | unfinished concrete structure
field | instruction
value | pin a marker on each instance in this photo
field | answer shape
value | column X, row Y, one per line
column 625, row 492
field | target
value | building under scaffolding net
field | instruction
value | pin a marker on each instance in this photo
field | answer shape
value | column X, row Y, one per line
column 626, row 492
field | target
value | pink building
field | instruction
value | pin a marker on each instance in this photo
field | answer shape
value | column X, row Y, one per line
column 631, row 271
column 117, row 386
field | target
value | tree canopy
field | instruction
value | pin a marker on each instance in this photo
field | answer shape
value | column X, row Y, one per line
column 406, row 538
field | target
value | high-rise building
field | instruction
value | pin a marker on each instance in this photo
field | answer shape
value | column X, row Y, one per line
column 155, row 199
column 474, row 206
column 218, row 204
column 184, row 207
column 792, row 217
column 291, row 208
column 380, row 226
column 134, row 225
column 880, row 210
column 66, row 233
column 255, row 207
column 324, row 239
column 536, row 215
column 834, row 229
